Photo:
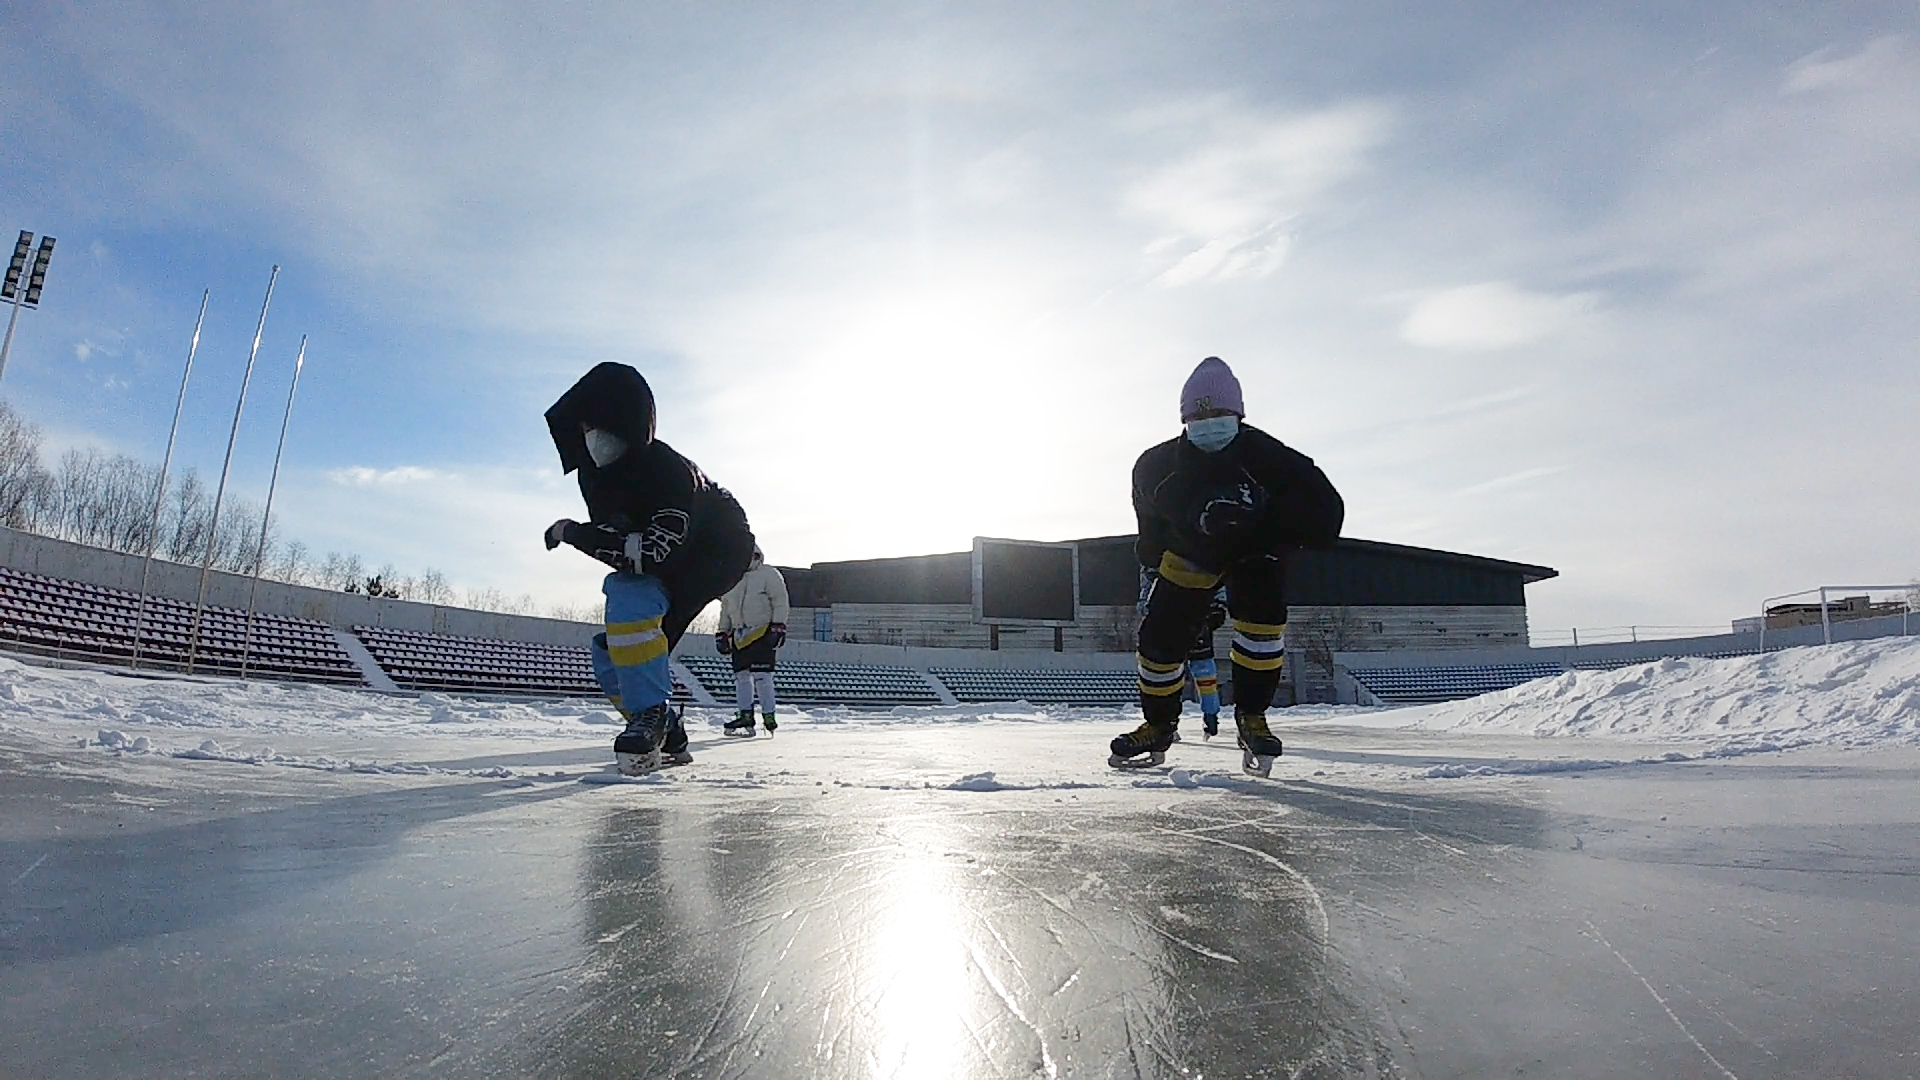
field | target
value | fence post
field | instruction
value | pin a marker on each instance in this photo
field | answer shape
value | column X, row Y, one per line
column 1826, row 628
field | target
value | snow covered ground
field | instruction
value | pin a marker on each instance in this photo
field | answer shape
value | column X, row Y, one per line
column 1852, row 696
column 1685, row 868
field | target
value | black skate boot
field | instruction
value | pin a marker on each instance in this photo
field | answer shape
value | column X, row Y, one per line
column 1210, row 724
column 636, row 751
column 1146, row 745
column 741, row 726
column 767, row 719
column 673, row 749
column 1258, row 746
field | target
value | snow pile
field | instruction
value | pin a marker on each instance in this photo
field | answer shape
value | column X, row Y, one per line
column 1857, row 694
column 113, row 702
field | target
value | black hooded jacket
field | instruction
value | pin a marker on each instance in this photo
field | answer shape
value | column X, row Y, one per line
column 694, row 536
column 1255, row 496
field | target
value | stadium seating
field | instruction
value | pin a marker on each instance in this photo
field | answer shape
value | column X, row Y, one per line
column 808, row 682
column 1615, row 665
column 1118, row 687
column 69, row 618
column 1423, row 685
column 422, row 661
column 415, row 660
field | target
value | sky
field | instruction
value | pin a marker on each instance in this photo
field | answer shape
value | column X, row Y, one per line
column 1626, row 290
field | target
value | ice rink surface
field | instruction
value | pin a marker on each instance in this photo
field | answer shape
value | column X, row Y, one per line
column 423, row 887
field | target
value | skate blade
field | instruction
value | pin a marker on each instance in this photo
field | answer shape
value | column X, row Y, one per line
column 1260, row 765
column 738, row 734
column 681, row 758
column 1139, row 761
column 636, row 764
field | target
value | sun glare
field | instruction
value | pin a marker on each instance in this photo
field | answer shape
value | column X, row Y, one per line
column 916, row 976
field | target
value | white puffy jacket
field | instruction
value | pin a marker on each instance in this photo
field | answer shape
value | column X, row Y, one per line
column 758, row 600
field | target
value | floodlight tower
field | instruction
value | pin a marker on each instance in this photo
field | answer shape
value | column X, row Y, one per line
column 29, row 295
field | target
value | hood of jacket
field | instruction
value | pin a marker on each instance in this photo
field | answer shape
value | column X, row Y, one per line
column 612, row 397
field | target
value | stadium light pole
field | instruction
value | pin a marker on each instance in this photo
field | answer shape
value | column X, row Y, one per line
column 260, row 553
column 160, row 495
column 29, row 296
column 213, row 528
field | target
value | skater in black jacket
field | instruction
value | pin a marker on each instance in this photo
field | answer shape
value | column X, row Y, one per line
column 676, row 541
column 1221, row 504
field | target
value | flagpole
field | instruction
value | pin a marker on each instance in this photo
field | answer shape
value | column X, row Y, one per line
column 260, row 555
column 160, row 496
column 213, row 529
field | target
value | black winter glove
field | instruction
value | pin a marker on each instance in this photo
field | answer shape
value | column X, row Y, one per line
column 603, row 542
column 778, row 631
column 557, row 532
column 723, row 642
column 1233, row 512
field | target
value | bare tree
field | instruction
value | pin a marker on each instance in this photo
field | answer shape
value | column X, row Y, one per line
column 189, row 514
column 23, row 480
column 340, row 572
column 1326, row 632
column 592, row 613
column 292, row 566
column 432, row 588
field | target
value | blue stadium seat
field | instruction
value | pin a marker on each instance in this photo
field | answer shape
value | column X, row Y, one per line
column 807, row 682
column 1424, row 685
column 1047, row 685
column 71, row 618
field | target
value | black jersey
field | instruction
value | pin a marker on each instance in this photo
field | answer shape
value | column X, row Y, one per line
column 693, row 534
column 1256, row 496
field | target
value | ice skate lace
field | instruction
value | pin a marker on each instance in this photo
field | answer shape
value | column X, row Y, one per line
column 1147, row 732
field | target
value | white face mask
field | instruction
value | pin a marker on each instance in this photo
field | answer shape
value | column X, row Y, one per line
column 1214, row 433
column 604, row 447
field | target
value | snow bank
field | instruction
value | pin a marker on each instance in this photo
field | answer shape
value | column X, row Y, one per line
column 1857, row 694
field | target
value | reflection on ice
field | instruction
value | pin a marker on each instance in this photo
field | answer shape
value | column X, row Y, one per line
column 915, row 973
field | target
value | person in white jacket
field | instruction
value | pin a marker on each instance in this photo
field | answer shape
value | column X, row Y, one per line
column 753, row 626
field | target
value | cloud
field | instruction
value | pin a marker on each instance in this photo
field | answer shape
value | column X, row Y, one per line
column 1229, row 199
column 479, row 526
column 82, row 351
column 1490, row 315
column 361, row 476
column 1880, row 59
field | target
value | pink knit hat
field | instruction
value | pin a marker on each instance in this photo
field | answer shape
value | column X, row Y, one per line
column 1211, row 386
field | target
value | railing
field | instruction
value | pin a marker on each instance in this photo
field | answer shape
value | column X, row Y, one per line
column 1909, row 593
column 1609, row 635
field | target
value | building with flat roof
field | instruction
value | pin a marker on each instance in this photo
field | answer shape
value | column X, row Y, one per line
column 1361, row 595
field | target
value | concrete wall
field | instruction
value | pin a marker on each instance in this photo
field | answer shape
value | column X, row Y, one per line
column 951, row 626
column 116, row 570
column 1630, row 651
column 921, row 658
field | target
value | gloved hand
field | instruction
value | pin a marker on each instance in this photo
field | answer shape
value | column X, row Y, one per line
column 1233, row 511
column 723, row 642
column 557, row 532
column 778, row 631
column 603, row 542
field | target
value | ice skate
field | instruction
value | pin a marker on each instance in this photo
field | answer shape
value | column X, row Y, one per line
column 1145, row 746
column 741, row 726
column 1258, row 745
column 673, row 748
column 1210, row 724
column 636, row 751
column 767, row 720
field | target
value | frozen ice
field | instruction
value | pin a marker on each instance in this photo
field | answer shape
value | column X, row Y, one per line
column 1681, row 868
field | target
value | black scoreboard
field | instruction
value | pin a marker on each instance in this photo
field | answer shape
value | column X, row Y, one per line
column 1025, row 582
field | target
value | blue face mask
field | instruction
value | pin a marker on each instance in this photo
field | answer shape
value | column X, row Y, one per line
column 1214, row 433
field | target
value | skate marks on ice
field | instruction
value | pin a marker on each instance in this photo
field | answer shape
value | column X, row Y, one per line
column 848, row 935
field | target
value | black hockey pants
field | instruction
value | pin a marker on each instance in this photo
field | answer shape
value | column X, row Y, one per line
column 1177, row 611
